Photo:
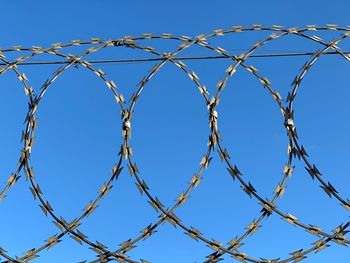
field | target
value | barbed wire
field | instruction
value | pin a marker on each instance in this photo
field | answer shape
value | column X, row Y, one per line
column 215, row 142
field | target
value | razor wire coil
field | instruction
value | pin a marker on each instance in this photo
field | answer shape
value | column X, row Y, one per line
column 215, row 142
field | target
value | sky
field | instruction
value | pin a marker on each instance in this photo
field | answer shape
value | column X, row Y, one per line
column 79, row 129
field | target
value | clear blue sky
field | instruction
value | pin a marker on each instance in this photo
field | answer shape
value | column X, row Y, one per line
column 79, row 135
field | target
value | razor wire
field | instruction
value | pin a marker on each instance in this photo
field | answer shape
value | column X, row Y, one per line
column 215, row 142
